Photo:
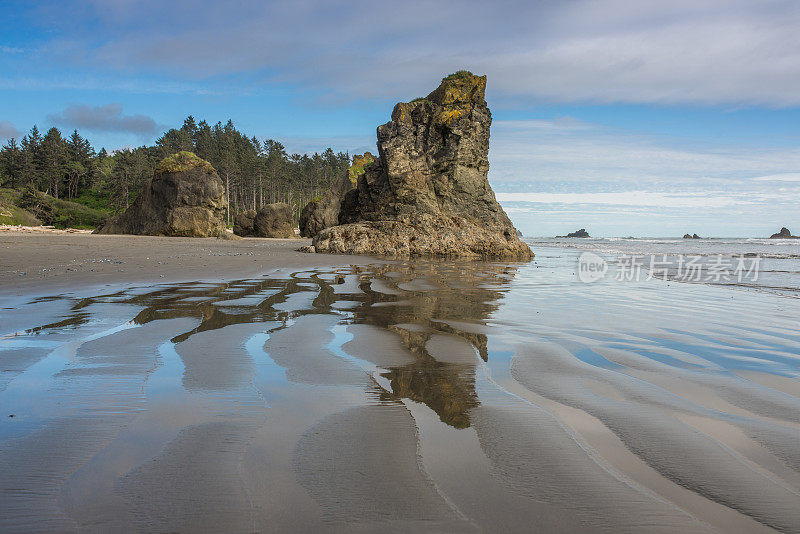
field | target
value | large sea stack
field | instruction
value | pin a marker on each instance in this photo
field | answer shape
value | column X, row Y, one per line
column 428, row 192
column 184, row 198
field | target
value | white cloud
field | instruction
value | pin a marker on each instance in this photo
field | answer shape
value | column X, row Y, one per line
column 705, row 199
column 8, row 130
column 107, row 118
column 640, row 51
column 521, row 155
column 787, row 177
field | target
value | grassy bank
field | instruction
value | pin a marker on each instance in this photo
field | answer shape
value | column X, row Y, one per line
column 31, row 208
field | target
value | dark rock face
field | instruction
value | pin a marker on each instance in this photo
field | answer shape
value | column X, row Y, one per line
column 319, row 214
column 691, row 236
column 184, row 198
column 324, row 212
column 243, row 224
column 274, row 220
column 580, row 233
column 428, row 193
column 784, row 234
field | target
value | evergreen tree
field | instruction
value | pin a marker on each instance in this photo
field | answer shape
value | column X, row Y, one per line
column 53, row 160
column 253, row 173
column 30, row 158
column 11, row 164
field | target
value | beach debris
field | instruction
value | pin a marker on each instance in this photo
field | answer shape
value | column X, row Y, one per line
column 41, row 229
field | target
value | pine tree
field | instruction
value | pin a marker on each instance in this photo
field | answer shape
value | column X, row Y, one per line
column 11, row 164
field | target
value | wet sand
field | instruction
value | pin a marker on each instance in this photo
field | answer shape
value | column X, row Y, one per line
column 345, row 394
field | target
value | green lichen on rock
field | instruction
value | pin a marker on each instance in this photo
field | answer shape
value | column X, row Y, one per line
column 456, row 95
column 181, row 162
column 357, row 168
column 459, row 75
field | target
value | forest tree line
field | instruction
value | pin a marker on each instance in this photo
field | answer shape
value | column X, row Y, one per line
column 254, row 173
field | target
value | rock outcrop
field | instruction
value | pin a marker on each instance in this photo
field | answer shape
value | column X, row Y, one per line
column 428, row 193
column 272, row 220
column 784, row 234
column 184, row 198
column 323, row 212
column 243, row 224
column 580, row 233
column 691, row 236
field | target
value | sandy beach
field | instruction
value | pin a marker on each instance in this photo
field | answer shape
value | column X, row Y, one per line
column 209, row 385
column 32, row 261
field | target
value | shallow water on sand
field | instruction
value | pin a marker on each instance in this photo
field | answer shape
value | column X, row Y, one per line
column 438, row 396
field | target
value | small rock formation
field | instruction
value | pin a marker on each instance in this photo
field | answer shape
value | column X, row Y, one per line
column 324, row 212
column 272, row 220
column 691, row 236
column 184, row 198
column 580, row 233
column 243, row 224
column 784, row 234
column 428, row 193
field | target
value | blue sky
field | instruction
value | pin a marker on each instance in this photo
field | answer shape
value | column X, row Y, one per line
column 626, row 117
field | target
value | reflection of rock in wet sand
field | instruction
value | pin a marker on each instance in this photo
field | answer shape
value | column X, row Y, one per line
column 443, row 374
column 440, row 371
column 405, row 396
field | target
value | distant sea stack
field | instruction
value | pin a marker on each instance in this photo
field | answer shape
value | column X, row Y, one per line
column 784, row 234
column 691, row 236
column 579, row 233
column 428, row 193
column 184, row 198
column 323, row 212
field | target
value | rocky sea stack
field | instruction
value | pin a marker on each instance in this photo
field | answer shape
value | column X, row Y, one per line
column 184, row 198
column 578, row 233
column 784, row 234
column 428, row 193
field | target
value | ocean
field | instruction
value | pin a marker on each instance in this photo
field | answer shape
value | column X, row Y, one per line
column 764, row 264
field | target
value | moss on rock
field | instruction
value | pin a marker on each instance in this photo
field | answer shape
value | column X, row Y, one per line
column 357, row 168
column 182, row 162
